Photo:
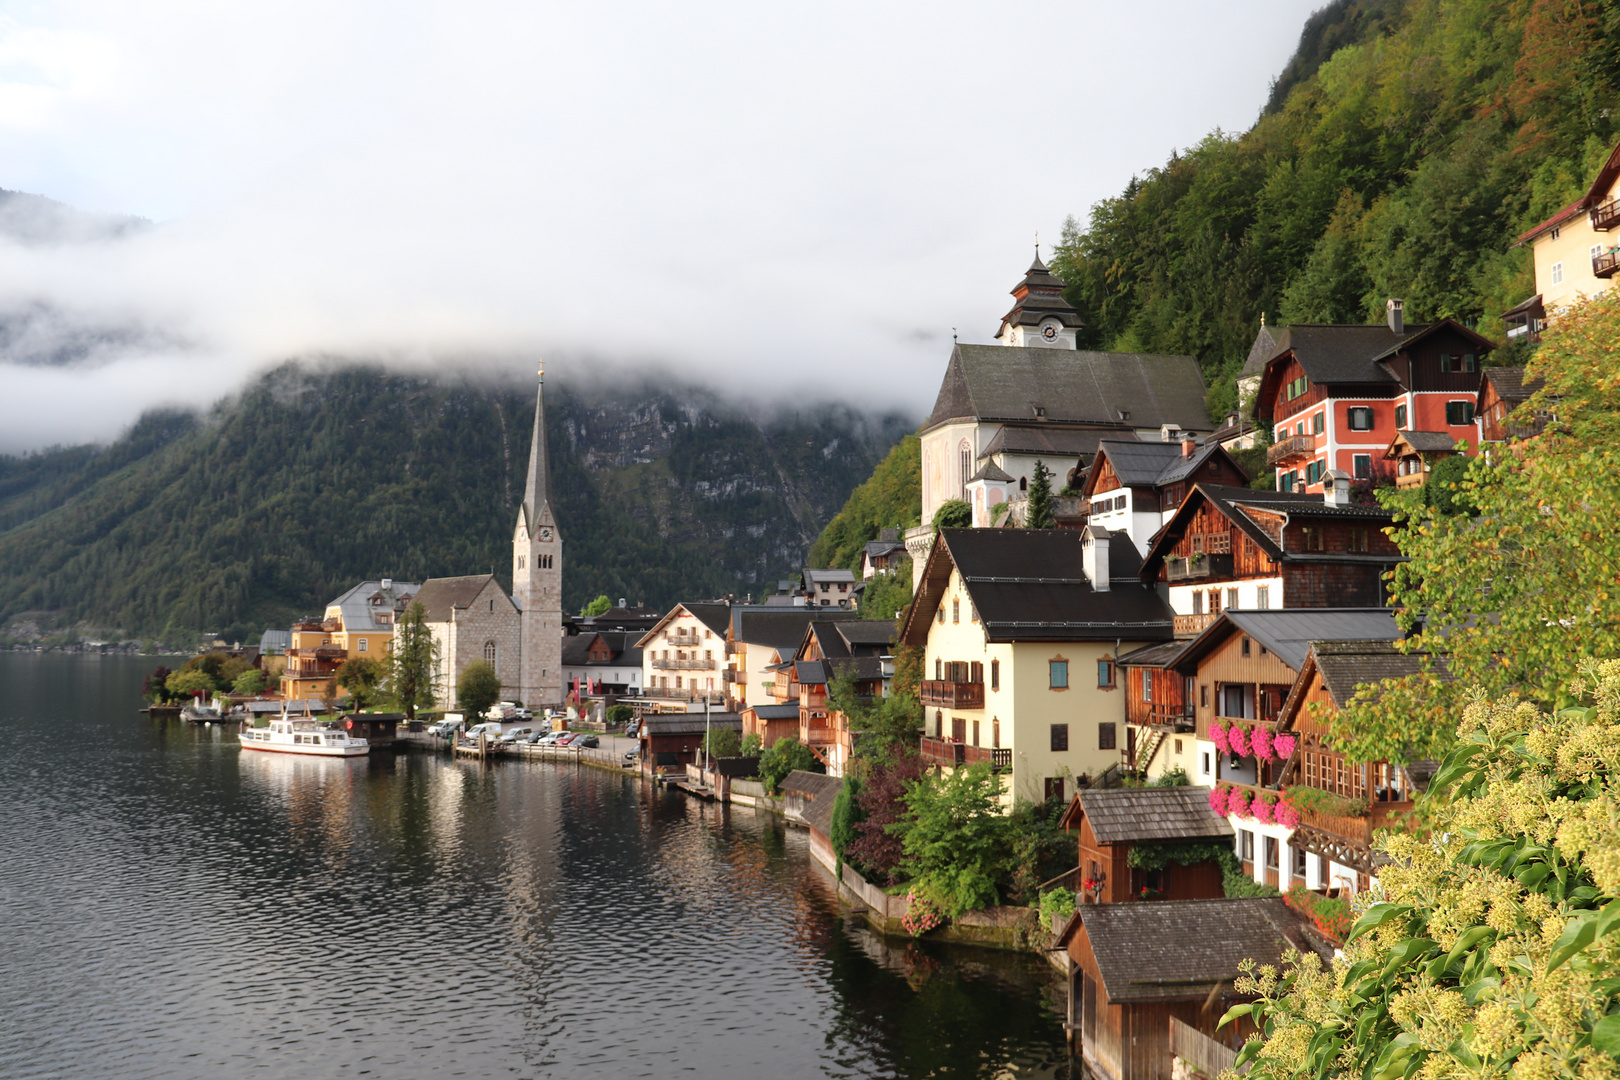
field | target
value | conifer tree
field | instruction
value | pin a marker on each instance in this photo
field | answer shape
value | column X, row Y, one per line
column 413, row 662
column 1040, row 499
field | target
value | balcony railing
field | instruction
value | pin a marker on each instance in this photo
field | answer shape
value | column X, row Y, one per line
column 321, row 652
column 1199, row 565
column 1295, row 446
column 1604, row 265
column 1410, row 480
column 953, row 695
column 669, row 693
column 1183, row 718
column 948, row 752
column 1189, row 626
column 684, row 665
column 1606, row 216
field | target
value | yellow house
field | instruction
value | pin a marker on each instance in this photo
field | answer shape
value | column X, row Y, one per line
column 358, row 623
column 1576, row 252
column 1020, row 630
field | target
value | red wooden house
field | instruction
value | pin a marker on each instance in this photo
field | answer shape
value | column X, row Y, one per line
column 1112, row 822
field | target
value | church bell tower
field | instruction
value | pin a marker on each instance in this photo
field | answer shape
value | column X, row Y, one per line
column 537, row 575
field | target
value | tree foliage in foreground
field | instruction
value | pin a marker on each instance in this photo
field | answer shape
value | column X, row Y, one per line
column 1493, row 949
column 1519, row 585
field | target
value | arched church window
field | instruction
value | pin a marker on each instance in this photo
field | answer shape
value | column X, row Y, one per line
column 965, row 462
column 489, row 652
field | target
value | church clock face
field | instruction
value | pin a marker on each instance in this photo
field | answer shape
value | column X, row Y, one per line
column 545, row 534
column 1049, row 331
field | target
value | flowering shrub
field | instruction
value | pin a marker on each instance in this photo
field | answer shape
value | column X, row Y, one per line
column 1217, row 735
column 920, row 917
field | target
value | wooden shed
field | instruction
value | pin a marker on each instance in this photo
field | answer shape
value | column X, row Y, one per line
column 1138, row 966
column 671, row 741
column 807, row 798
column 1111, row 822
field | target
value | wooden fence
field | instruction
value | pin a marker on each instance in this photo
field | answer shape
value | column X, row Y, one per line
column 1199, row 1050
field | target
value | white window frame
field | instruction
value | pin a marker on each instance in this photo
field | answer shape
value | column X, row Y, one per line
column 1555, row 273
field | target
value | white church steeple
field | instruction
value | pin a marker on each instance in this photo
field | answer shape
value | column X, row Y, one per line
column 537, row 573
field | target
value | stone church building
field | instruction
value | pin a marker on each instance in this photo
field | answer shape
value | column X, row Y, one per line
column 471, row 618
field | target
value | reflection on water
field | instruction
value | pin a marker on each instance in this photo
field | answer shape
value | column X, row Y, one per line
column 171, row 906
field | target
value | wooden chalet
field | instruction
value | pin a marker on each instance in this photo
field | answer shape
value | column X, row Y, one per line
column 771, row 722
column 1137, row 970
column 672, row 741
column 1158, row 704
column 1111, row 822
column 1234, row 548
column 1501, row 391
column 1415, row 452
column 1338, row 837
column 1134, row 485
column 860, row 648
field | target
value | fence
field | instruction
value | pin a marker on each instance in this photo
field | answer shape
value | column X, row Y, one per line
column 1199, row 1050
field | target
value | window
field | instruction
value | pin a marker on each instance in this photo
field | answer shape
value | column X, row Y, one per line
column 1400, row 417
column 1297, row 388
column 1360, row 419
column 1105, row 736
column 1203, row 695
column 489, row 651
column 1206, row 763
column 1555, row 231
column 1231, row 599
column 1262, row 597
column 1060, row 737
column 995, row 674
column 1287, row 481
column 1054, row 789
column 973, row 610
column 942, row 614
column 956, row 610
column 1299, row 428
column 521, row 561
column 1318, row 424
column 1057, row 672
column 1361, row 466
column 1470, row 362
column 976, row 733
column 1297, row 858
column 939, row 670
column 1198, row 603
column 1445, row 363
column 363, row 644
column 1555, row 273
column 1147, row 685
column 1313, row 537
column 1272, row 852
column 1459, row 413
column 1214, row 601
column 1245, row 845
column 1246, row 646
column 1178, row 747
column 1023, row 483
column 1105, row 673
column 1358, row 541
column 964, row 460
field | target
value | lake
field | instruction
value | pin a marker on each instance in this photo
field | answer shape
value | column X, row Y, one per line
column 171, row 907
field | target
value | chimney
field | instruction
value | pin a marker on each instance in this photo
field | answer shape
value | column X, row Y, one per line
column 621, row 602
column 1397, row 319
column 1188, row 445
column 1094, row 557
column 388, row 583
column 1336, row 490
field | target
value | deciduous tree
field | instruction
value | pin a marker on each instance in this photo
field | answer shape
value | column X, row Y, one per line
column 362, row 676
column 477, row 688
column 413, row 663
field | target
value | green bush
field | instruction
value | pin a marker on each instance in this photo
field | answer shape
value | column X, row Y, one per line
column 1057, row 907
column 722, row 743
column 785, row 756
column 620, row 715
column 846, row 816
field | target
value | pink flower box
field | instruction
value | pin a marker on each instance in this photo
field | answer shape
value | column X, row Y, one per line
column 1283, row 746
column 1217, row 735
column 1260, row 742
column 1238, row 738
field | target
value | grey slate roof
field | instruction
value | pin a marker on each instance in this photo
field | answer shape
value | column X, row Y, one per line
column 1156, row 656
column 359, row 611
column 1344, row 353
column 1289, row 632
column 818, row 792
column 441, row 596
column 1263, row 349
column 782, row 627
column 776, row 712
column 1030, row 585
column 713, row 615
column 1044, row 298
column 275, row 641
column 1177, row 950
column 1345, row 665
column 1154, row 464
column 1136, row 815
column 689, row 723
column 857, row 632
column 576, row 648
column 1509, row 382
column 1056, row 442
column 992, row 472
column 998, row 382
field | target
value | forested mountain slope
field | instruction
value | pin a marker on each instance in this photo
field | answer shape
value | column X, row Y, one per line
column 311, row 480
column 1405, row 164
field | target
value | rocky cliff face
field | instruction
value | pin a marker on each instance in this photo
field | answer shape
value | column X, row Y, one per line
column 309, row 480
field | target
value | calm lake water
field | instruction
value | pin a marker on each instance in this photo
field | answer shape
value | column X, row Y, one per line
column 171, row 907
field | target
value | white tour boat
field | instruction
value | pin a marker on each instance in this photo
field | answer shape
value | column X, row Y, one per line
column 303, row 735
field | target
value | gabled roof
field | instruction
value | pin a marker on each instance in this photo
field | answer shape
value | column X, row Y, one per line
column 1147, row 815
column 1177, row 950
column 842, row 638
column 361, row 604
column 992, row 472
column 1155, row 656
column 1510, row 384
column 833, row 575
column 1352, row 354
column 1232, row 502
column 1056, row 442
column 775, row 712
column 714, row 615
column 1000, row 383
column 782, row 628
column 441, row 596
column 1263, row 349
column 1288, row 632
column 876, row 549
column 1559, row 216
column 576, row 650
column 1422, row 442
column 1154, row 464
column 1031, row 585
column 1346, row 665
column 689, row 723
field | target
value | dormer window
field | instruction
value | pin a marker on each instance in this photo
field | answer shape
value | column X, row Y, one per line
column 1040, row 412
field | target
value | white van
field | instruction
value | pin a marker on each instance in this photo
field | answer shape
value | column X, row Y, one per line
column 492, row 729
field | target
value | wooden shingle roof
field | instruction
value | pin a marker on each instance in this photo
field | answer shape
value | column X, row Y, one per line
column 1137, row 815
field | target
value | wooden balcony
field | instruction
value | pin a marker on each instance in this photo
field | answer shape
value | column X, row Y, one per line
column 950, row 753
column 1604, row 265
column 1179, row 718
column 1190, row 626
column 953, row 695
column 1606, row 216
column 1410, row 480
column 1200, row 565
column 1291, row 449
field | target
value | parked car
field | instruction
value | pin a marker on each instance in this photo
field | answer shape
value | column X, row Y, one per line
column 586, row 742
column 632, row 729
column 537, row 737
column 515, row 734
column 491, row 729
column 443, row 729
column 551, row 738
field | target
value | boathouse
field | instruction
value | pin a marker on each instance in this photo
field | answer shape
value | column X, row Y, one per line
column 671, row 741
column 807, row 798
column 1172, row 831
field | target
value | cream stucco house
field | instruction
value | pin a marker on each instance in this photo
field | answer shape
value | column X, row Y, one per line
column 1576, row 252
column 1021, row 628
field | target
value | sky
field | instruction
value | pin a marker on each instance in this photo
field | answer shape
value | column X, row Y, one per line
column 780, row 201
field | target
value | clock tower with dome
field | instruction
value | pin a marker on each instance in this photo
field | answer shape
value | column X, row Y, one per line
column 1040, row 318
column 537, row 575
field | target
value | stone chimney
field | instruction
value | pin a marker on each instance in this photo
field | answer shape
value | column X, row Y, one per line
column 388, row 583
column 1094, row 556
column 1397, row 317
column 1189, row 446
column 1336, row 488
